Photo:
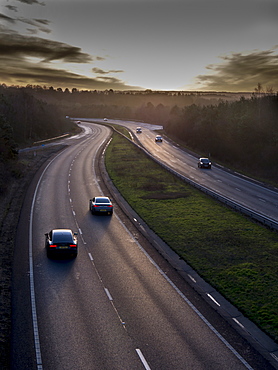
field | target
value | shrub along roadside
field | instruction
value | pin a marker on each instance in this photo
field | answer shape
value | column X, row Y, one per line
column 234, row 254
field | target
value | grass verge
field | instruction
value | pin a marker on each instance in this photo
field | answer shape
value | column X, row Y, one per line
column 231, row 252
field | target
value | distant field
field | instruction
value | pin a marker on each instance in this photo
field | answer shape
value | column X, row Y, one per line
column 235, row 255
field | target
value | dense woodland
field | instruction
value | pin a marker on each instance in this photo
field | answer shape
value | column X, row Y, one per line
column 24, row 120
column 242, row 134
column 237, row 129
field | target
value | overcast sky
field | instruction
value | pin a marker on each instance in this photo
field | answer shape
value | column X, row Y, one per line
column 215, row 45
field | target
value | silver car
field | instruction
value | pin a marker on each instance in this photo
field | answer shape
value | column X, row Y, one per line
column 101, row 205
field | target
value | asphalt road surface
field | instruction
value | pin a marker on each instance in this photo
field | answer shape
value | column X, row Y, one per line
column 239, row 189
column 118, row 305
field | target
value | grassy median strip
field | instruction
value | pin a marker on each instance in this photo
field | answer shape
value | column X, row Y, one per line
column 235, row 255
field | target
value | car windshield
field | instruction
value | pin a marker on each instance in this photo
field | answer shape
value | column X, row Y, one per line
column 62, row 237
column 205, row 160
column 102, row 200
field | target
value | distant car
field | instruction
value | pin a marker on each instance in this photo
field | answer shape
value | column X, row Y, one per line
column 104, row 119
column 158, row 139
column 78, row 122
column 138, row 130
column 61, row 242
column 204, row 163
column 101, row 205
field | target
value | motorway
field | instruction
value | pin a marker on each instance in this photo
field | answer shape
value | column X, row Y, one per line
column 118, row 305
column 239, row 189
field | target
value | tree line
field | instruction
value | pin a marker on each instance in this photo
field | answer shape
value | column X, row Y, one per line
column 242, row 134
column 236, row 129
column 23, row 120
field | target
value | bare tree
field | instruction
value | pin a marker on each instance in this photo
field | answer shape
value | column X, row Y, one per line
column 259, row 89
column 270, row 90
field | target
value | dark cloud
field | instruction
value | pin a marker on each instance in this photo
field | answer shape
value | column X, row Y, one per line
column 31, row 2
column 42, row 21
column 32, row 31
column 99, row 71
column 37, row 23
column 47, row 50
column 12, row 8
column 242, row 72
column 24, row 73
column 102, row 72
column 6, row 18
column 17, row 69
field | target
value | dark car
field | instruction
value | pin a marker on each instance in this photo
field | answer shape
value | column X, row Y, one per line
column 61, row 242
column 158, row 139
column 138, row 130
column 101, row 205
column 204, row 163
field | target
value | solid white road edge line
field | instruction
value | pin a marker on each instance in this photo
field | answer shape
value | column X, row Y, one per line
column 142, row 358
column 223, row 340
column 108, row 294
column 32, row 285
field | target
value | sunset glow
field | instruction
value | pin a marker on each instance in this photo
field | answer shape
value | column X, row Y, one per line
column 138, row 44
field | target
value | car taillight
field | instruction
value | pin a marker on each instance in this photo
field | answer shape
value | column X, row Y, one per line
column 53, row 246
column 95, row 205
column 73, row 245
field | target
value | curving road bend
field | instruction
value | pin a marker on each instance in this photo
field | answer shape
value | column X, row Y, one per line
column 112, row 307
column 241, row 190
